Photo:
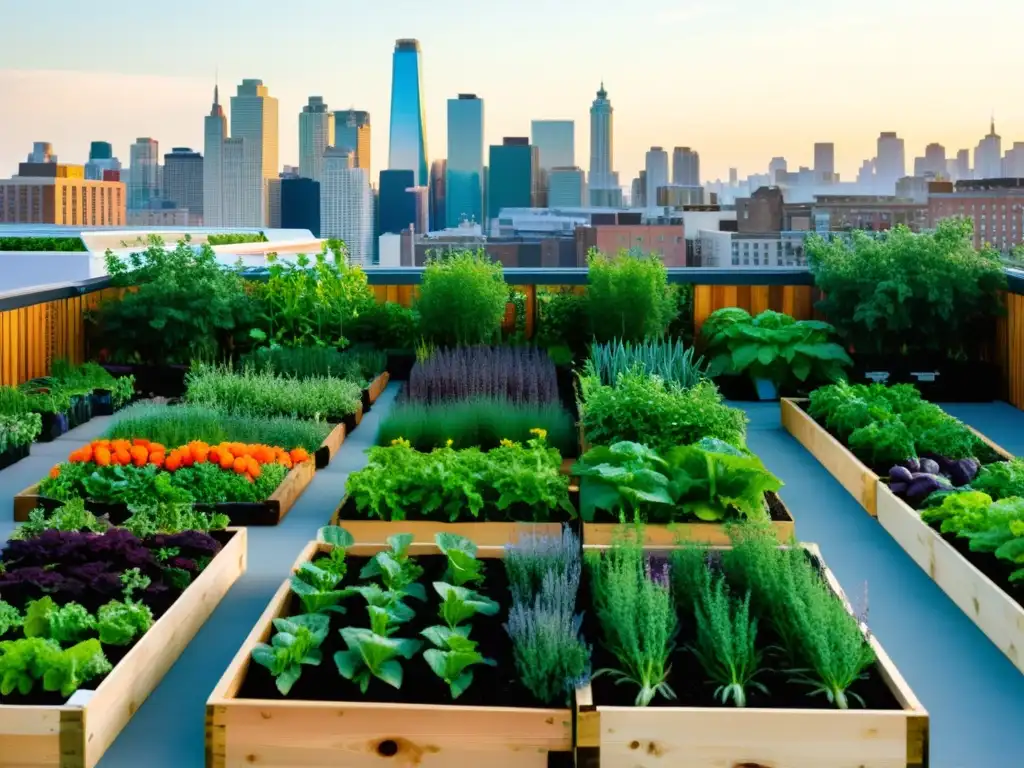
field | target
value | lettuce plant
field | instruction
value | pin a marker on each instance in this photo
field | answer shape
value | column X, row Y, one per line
column 295, row 644
column 316, row 588
column 119, row 623
column 463, row 567
column 623, row 479
column 339, row 540
column 31, row 660
column 370, row 655
column 396, row 569
column 10, row 618
column 65, row 625
column 452, row 656
column 460, row 604
column 70, row 516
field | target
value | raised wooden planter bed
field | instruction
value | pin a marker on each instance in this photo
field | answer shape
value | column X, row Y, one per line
column 994, row 612
column 707, row 533
column 852, row 474
column 482, row 534
column 377, row 386
column 269, row 512
column 70, row 736
column 728, row 737
column 330, row 446
column 363, row 734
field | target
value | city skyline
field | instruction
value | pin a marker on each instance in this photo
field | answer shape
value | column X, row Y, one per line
column 714, row 116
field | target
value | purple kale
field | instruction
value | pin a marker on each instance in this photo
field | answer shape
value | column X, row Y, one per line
column 191, row 544
column 517, row 374
column 184, row 563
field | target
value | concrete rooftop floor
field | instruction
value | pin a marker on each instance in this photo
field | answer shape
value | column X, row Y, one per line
column 974, row 695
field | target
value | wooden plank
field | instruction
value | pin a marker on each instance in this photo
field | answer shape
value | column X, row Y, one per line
column 715, row 737
column 287, row 733
column 993, row 611
column 332, row 443
column 853, row 475
column 77, row 737
column 292, row 487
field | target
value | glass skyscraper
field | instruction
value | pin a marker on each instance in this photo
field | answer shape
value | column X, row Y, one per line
column 513, row 176
column 464, row 175
column 407, row 149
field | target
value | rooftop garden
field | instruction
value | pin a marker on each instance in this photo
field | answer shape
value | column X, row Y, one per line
column 42, row 244
column 558, row 533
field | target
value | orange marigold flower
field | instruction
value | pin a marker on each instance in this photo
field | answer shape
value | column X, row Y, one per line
column 55, row 472
column 227, row 461
column 264, row 455
column 254, row 468
column 173, row 461
column 141, row 441
column 240, row 465
column 101, row 455
column 140, row 455
column 299, row 455
column 285, row 460
column 123, row 456
column 117, row 445
column 213, row 455
column 157, row 447
column 200, row 453
column 156, row 459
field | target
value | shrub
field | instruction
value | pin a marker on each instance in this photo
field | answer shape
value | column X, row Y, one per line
column 462, row 299
column 517, row 374
column 385, row 325
column 910, row 294
column 658, row 414
column 236, row 238
column 670, row 360
column 482, row 422
column 629, row 297
column 186, row 306
column 563, row 321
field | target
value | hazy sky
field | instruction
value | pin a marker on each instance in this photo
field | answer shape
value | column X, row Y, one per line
column 739, row 80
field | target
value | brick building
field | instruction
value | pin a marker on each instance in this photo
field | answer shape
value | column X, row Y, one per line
column 874, row 213
column 996, row 206
column 48, row 193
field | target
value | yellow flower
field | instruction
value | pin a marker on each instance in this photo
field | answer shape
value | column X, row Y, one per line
column 506, row 443
column 448, row 443
column 401, row 441
column 540, row 433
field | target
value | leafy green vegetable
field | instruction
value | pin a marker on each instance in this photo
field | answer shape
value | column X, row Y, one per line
column 339, row 540
column 622, row 478
column 315, row 587
column 296, row 643
column 460, row 604
column 370, row 655
column 1001, row 479
column 121, row 622
column 396, row 569
column 70, row 516
column 669, row 359
column 453, row 655
column 10, row 618
column 463, row 567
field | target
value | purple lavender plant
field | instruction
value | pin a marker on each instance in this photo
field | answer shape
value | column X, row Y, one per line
column 516, row 374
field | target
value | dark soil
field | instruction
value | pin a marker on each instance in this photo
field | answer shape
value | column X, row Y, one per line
column 777, row 512
column 521, row 513
column 689, row 681
column 159, row 605
column 492, row 686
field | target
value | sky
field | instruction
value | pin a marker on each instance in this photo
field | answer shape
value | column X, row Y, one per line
column 740, row 81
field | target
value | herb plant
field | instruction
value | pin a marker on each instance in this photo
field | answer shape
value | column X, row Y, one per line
column 396, row 569
column 460, row 604
column 463, row 566
column 628, row 296
column 668, row 359
column 70, row 516
column 462, row 299
column 514, row 374
column 452, row 657
column 295, row 644
column 370, row 655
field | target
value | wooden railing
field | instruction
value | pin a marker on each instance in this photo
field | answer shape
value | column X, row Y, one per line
column 40, row 325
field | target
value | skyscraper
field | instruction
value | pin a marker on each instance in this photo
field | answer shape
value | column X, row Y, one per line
column 891, row 163
column 437, row 193
column 183, row 180
column 408, row 143
column 824, row 158
column 254, row 119
column 316, row 133
column 513, row 176
column 143, row 175
column 656, row 165
column 101, row 158
column 346, row 204
column 215, row 131
column 100, row 150
column 776, row 166
column 42, row 152
column 555, row 141
column 567, row 188
column 300, row 204
column 465, row 167
column 397, row 201
column 602, row 179
column 988, row 156
column 685, row 167
column 233, row 174
column 352, row 131
column 963, row 164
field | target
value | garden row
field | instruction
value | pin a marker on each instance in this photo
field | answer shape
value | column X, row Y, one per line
column 243, row 442
column 952, row 499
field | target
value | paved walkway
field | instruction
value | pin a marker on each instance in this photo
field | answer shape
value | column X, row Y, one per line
column 975, row 696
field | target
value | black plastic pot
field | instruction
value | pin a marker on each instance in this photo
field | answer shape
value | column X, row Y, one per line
column 102, row 402
column 54, row 425
column 81, row 411
column 14, row 454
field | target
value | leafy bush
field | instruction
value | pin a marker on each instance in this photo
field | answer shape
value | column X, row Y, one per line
column 660, row 415
column 236, row 238
column 563, row 321
column 385, row 325
column 670, row 360
column 628, row 296
column 910, row 294
column 17, row 430
column 184, row 305
column 508, row 482
column 462, row 299
column 42, row 244
column 183, row 424
column 516, row 374
column 261, row 395
column 358, row 365
column 772, row 346
column 310, row 301
column 481, row 421
column 709, row 481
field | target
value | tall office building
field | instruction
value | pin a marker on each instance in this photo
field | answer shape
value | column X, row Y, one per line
column 300, row 204
column 891, row 165
column 42, row 152
column 316, row 133
column 183, row 180
column 254, row 120
column 396, row 201
column 101, row 150
column 352, row 131
column 776, row 167
column 407, row 148
column 346, row 204
column 685, row 167
column 144, row 174
column 603, row 181
column 555, row 141
column 934, row 161
column 437, row 194
column 101, row 158
column 988, row 156
column 567, row 188
column 656, row 165
column 234, row 174
column 465, row 167
column 513, row 176
column 963, row 164
column 215, row 131
column 824, row 158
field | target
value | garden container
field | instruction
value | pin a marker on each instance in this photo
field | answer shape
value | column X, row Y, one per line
column 78, row 732
column 102, row 402
column 330, row 446
column 14, row 454
column 54, row 425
